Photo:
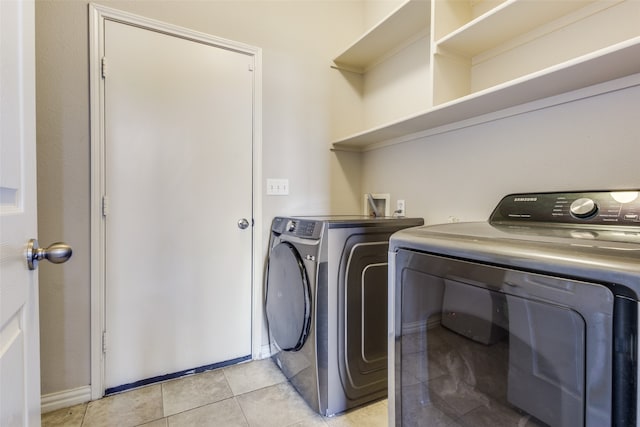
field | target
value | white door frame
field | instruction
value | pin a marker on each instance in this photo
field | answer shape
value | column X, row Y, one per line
column 97, row 16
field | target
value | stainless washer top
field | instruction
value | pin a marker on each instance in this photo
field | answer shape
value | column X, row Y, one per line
column 587, row 235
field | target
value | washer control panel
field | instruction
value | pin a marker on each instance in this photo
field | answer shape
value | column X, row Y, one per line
column 595, row 207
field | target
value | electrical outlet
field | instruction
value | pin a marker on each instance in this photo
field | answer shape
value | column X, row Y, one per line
column 400, row 208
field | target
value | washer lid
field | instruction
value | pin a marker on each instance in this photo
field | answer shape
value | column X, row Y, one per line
column 288, row 300
column 576, row 255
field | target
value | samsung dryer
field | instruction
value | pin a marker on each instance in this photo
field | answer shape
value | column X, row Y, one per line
column 326, row 306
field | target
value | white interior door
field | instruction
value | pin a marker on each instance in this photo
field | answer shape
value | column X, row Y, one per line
column 178, row 162
column 19, row 333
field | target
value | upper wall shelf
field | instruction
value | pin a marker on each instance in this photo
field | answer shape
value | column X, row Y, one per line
column 487, row 58
column 403, row 24
column 505, row 22
column 607, row 64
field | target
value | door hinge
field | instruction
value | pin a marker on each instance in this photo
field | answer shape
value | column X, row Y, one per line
column 105, row 206
column 103, row 67
column 104, row 342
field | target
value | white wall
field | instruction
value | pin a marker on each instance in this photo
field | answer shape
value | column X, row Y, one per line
column 376, row 10
column 303, row 108
column 590, row 144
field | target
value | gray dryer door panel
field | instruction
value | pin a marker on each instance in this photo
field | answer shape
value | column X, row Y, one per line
column 288, row 299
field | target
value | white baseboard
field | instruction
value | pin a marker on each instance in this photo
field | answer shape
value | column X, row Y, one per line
column 414, row 327
column 420, row 326
column 265, row 351
column 65, row 399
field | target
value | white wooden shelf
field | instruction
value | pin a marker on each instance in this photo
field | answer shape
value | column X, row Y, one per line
column 614, row 62
column 506, row 22
column 404, row 24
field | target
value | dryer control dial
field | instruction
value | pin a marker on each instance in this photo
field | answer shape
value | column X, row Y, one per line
column 583, row 207
column 291, row 226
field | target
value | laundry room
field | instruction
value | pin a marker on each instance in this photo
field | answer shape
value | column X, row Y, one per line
column 552, row 108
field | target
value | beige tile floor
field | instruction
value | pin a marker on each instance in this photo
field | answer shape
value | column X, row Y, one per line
column 253, row 394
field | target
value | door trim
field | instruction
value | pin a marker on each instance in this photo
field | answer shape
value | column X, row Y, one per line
column 97, row 16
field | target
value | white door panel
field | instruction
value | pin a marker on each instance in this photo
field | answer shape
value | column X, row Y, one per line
column 178, row 150
column 19, row 328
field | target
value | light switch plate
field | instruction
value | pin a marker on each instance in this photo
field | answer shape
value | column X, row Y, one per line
column 277, row 186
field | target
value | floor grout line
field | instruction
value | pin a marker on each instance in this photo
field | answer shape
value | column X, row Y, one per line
column 244, row 415
column 84, row 414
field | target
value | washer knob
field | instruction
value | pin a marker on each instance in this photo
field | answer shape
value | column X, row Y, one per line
column 583, row 208
column 291, row 226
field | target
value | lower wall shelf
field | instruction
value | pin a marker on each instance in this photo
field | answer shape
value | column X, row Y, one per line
column 596, row 69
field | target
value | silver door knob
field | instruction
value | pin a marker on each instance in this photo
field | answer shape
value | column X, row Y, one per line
column 243, row 223
column 56, row 253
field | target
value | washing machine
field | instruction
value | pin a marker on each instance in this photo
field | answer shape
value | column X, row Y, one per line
column 326, row 306
column 528, row 319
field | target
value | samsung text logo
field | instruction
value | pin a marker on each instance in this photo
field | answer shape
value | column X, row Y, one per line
column 525, row 199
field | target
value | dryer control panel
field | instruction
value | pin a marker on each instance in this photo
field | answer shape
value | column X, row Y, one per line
column 306, row 229
column 611, row 208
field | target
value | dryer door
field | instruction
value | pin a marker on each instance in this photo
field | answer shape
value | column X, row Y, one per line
column 288, row 300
